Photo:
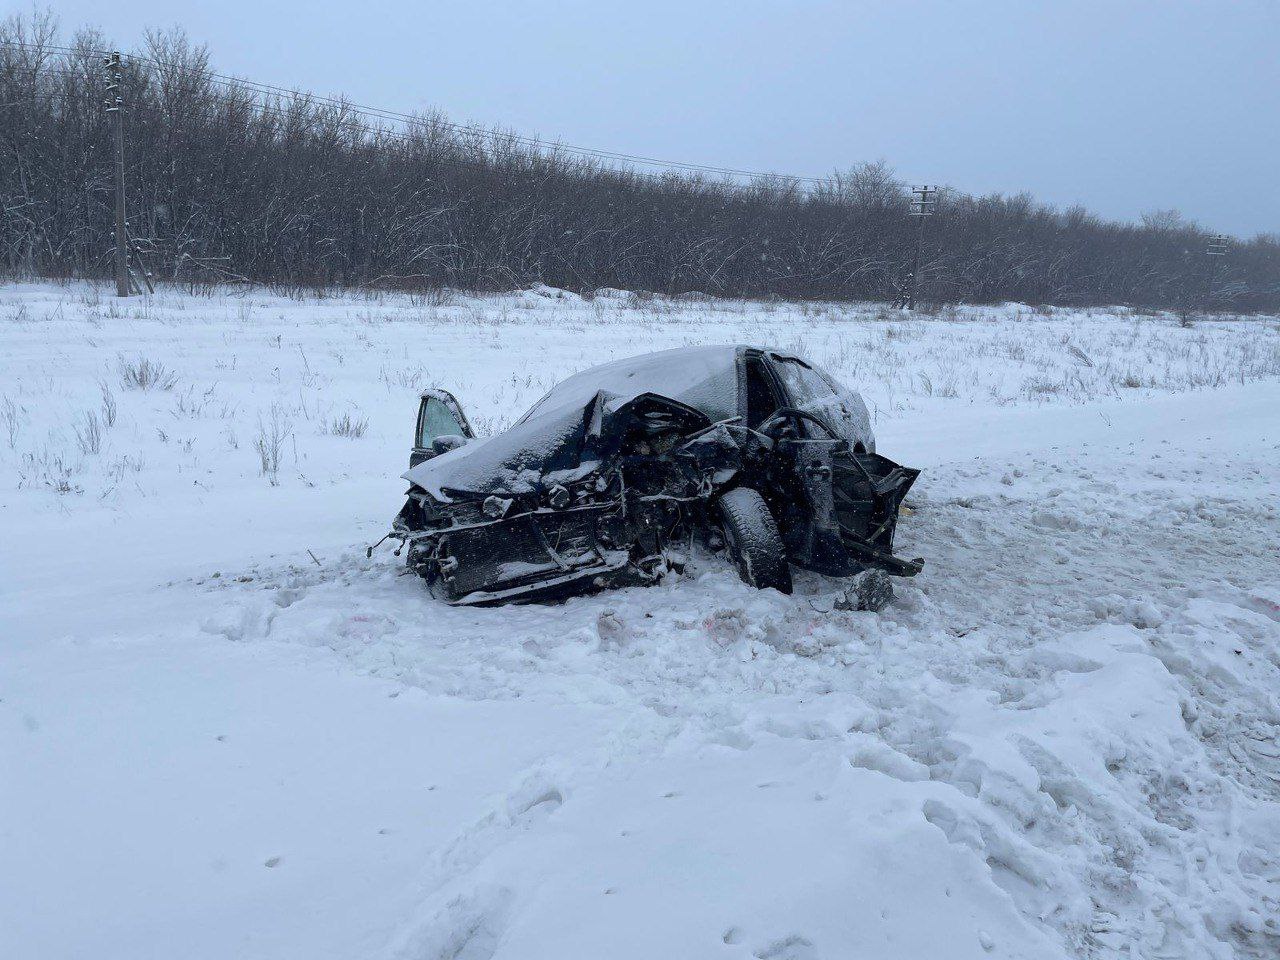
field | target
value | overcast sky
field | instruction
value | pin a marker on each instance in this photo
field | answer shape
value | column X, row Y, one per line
column 1121, row 106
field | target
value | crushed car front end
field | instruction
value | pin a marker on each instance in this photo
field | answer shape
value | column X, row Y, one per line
column 598, row 506
column 607, row 482
column 501, row 550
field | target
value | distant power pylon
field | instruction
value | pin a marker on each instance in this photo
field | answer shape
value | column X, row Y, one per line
column 922, row 205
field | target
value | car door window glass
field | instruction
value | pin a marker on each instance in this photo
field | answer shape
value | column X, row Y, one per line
column 813, row 392
column 761, row 401
column 436, row 420
column 850, row 417
column 805, row 388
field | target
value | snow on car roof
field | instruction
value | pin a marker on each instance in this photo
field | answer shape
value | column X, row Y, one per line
column 705, row 378
column 548, row 438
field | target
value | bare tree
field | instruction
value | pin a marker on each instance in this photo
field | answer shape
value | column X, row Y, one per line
column 226, row 184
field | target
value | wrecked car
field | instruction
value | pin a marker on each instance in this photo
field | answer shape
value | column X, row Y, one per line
column 613, row 475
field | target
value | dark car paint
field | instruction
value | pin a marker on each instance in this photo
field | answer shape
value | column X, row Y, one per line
column 622, row 502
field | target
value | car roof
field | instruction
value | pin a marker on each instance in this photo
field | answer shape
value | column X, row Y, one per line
column 703, row 377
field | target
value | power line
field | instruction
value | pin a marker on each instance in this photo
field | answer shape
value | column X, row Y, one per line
column 411, row 138
column 52, row 95
column 378, row 113
column 536, row 148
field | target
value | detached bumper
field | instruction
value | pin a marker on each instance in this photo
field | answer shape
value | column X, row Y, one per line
column 537, row 555
column 603, row 577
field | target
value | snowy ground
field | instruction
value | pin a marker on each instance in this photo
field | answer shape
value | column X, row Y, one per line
column 224, row 732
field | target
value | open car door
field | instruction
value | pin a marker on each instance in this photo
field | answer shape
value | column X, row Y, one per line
column 441, row 426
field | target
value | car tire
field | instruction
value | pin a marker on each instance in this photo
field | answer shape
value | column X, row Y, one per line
column 752, row 540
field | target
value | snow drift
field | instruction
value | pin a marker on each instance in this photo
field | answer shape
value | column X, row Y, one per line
column 224, row 732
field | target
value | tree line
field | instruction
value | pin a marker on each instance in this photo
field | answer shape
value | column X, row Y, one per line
column 225, row 183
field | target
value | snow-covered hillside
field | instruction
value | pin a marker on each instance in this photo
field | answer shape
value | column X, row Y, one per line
column 224, row 732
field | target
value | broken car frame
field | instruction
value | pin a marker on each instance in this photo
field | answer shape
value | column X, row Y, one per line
column 611, row 477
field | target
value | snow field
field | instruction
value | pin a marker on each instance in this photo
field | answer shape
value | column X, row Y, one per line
column 1060, row 741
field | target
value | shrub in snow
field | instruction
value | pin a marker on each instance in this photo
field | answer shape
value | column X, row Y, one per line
column 144, row 374
column 109, row 409
column 11, row 416
column 347, row 426
column 269, row 444
column 89, row 434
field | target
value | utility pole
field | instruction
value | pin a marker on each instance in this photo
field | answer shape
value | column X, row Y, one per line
column 115, row 106
column 1216, row 250
column 922, row 204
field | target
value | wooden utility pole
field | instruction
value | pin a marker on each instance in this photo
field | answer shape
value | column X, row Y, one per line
column 115, row 105
column 1216, row 250
column 921, row 206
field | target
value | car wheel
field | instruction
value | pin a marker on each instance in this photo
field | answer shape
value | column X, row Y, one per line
column 752, row 540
